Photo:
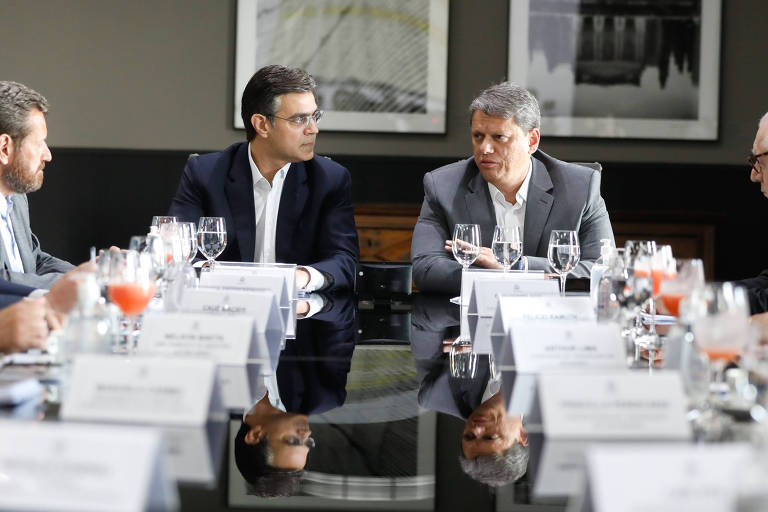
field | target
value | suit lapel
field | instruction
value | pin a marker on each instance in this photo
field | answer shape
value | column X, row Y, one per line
column 239, row 192
column 20, row 235
column 292, row 203
column 537, row 207
column 478, row 201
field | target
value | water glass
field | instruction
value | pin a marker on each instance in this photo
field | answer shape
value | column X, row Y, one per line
column 211, row 237
column 563, row 254
column 507, row 246
column 466, row 244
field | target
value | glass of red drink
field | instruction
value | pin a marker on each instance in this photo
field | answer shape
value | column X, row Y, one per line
column 131, row 287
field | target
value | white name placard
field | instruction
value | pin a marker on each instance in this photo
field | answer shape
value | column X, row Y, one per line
column 287, row 270
column 674, row 477
column 550, row 310
column 469, row 276
column 238, row 383
column 159, row 391
column 542, row 346
column 487, row 290
column 194, row 452
column 57, row 467
column 222, row 339
column 260, row 305
column 613, row 406
column 251, row 281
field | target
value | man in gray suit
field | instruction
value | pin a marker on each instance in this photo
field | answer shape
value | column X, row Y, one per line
column 23, row 155
column 507, row 182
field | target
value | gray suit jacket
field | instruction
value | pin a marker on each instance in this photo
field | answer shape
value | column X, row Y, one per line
column 41, row 269
column 560, row 196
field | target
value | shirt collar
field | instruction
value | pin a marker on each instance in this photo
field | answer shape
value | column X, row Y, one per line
column 257, row 176
column 522, row 193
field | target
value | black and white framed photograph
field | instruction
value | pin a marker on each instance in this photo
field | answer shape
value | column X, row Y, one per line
column 644, row 69
column 380, row 65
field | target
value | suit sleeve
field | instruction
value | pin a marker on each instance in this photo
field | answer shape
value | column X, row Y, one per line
column 594, row 226
column 187, row 204
column 12, row 292
column 434, row 270
column 338, row 250
column 757, row 292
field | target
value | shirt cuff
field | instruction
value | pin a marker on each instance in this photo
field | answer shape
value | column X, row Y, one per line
column 37, row 292
column 316, row 303
column 316, row 280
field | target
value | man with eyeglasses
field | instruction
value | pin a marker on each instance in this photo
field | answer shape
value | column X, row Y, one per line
column 280, row 201
column 757, row 287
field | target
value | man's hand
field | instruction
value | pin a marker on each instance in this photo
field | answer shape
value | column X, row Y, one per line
column 23, row 325
column 484, row 260
column 62, row 296
column 302, row 278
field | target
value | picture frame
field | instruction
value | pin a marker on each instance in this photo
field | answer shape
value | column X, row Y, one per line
column 356, row 51
column 645, row 70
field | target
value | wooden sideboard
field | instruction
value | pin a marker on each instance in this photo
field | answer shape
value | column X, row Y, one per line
column 385, row 232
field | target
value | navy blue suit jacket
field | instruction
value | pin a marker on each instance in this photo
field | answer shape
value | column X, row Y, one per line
column 315, row 222
column 12, row 292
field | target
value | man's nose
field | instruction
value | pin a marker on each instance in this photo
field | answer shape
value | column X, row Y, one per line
column 47, row 157
column 312, row 127
column 486, row 147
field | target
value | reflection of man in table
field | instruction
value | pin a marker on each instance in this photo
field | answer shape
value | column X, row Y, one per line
column 509, row 182
column 280, row 201
column 494, row 444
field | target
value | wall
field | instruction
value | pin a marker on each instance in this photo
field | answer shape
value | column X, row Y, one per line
column 159, row 75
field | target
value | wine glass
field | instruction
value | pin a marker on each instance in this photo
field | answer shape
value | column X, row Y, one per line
column 683, row 276
column 720, row 324
column 563, row 254
column 188, row 240
column 131, row 287
column 211, row 237
column 158, row 220
column 466, row 244
column 507, row 246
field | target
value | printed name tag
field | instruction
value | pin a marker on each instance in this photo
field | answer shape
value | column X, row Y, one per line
column 288, row 271
column 534, row 309
column 250, row 281
column 468, row 278
column 57, row 466
column 486, row 292
column 704, row 478
column 222, row 339
column 543, row 346
column 158, row 391
column 613, row 406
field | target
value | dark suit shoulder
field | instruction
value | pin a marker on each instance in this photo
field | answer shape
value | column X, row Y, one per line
column 219, row 160
column 455, row 171
column 559, row 168
column 325, row 164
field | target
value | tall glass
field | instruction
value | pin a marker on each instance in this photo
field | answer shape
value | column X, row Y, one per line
column 683, row 276
column 188, row 240
column 157, row 220
column 563, row 254
column 131, row 287
column 211, row 238
column 507, row 246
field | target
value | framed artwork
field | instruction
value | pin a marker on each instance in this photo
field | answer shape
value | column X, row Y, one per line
column 645, row 69
column 380, row 65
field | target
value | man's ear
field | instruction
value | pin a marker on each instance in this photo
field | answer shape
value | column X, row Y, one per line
column 255, row 435
column 534, row 137
column 7, row 148
column 523, row 437
column 260, row 124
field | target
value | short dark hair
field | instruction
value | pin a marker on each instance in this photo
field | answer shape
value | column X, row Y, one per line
column 262, row 94
column 254, row 463
column 496, row 469
column 508, row 100
column 16, row 102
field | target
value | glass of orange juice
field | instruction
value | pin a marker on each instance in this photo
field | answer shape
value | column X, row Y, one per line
column 131, row 287
column 721, row 328
column 680, row 279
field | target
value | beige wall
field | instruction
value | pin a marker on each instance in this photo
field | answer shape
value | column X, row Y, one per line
column 158, row 75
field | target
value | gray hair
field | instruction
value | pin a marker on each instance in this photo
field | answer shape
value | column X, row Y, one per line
column 508, row 100
column 16, row 102
column 496, row 469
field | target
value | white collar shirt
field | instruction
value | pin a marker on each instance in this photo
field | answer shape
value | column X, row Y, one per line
column 266, row 201
column 508, row 214
column 9, row 239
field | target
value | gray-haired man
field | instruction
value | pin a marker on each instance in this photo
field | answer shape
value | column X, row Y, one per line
column 508, row 182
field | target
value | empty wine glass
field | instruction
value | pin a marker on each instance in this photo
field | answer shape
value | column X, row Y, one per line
column 211, row 237
column 466, row 244
column 507, row 246
column 564, row 253
column 188, row 240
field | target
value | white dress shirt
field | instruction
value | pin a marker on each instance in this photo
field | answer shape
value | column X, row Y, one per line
column 9, row 241
column 508, row 214
column 266, row 385
column 266, row 201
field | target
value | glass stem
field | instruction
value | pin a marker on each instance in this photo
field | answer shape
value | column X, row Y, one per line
column 652, row 311
column 562, row 284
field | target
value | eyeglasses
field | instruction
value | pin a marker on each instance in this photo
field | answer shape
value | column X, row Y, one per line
column 302, row 120
column 752, row 160
column 297, row 441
